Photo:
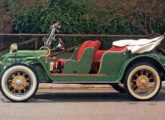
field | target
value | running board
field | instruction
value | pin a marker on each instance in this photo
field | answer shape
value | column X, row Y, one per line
column 103, row 75
column 85, row 82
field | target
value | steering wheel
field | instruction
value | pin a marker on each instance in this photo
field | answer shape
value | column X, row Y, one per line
column 46, row 48
column 62, row 43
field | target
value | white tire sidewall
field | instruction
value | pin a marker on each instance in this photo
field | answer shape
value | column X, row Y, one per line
column 29, row 93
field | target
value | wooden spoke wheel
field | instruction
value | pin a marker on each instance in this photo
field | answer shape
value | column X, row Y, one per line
column 19, row 83
column 143, row 81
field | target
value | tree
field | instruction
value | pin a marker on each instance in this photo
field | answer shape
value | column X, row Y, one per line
column 140, row 13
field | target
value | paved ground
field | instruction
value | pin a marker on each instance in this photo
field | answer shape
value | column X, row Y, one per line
column 87, row 104
column 76, row 86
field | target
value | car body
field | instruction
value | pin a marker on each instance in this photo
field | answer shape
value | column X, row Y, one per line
column 22, row 70
column 112, row 68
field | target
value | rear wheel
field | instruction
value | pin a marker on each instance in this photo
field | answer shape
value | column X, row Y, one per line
column 142, row 81
column 18, row 83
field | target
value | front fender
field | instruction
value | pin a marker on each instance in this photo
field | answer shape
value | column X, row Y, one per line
column 31, row 58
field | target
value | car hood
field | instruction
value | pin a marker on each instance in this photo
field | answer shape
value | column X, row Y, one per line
column 26, row 53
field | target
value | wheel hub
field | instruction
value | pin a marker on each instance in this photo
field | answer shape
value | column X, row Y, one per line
column 19, row 82
column 142, row 81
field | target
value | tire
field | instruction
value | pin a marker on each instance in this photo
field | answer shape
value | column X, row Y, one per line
column 142, row 81
column 18, row 82
column 118, row 87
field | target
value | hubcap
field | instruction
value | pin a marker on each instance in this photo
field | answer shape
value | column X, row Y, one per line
column 19, row 82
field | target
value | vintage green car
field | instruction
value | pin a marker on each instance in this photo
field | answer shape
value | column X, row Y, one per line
column 132, row 66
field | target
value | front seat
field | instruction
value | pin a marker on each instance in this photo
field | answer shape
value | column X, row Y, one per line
column 79, row 53
column 85, row 57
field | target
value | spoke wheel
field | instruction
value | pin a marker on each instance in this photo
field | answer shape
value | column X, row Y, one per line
column 18, row 83
column 143, row 81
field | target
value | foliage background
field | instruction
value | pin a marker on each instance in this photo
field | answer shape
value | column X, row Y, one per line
column 88, row 16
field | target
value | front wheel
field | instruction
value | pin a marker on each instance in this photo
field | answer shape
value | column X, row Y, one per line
column 142, row 81
column 18, row 83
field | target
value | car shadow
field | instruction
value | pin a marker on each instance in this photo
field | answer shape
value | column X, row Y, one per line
column 90, row 97
column 47, row 97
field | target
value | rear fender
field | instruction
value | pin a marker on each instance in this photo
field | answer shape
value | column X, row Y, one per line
column 154, row 59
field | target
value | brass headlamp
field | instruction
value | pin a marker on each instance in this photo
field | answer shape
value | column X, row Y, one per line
column 14, row 47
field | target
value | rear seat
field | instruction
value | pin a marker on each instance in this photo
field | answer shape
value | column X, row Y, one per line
column 99, row 54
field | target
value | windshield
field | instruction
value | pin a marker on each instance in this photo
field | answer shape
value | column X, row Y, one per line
column 51, row 37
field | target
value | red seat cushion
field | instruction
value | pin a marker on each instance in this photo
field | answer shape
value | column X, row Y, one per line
column 96, row 45
column 98, row 55
column 81, row 49
column 118, row 49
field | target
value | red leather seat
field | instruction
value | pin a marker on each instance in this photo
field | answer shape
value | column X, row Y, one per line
column 98, row 55
column 82, row 48
column 118, row 49
column 94, row 44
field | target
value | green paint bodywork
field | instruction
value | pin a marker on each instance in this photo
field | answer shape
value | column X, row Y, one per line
column 112, row 67
column 83, row 66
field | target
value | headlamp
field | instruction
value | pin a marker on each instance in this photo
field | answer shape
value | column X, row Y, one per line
column 13, row 47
